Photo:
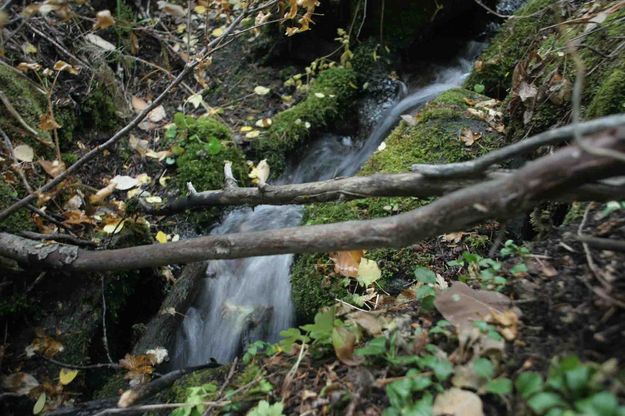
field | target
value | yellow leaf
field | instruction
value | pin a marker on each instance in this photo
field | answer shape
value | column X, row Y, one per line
column 67, row 375
column 246, row 129
column 64, row 66
column 218, row 32
column 161, row 237
column 199, row 9
column 252, row 134
column 39, row 405
column 368, row 272
column 28, row 48
column 260, row 90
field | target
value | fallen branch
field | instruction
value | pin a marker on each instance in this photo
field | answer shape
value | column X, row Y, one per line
column 345, row 189
column 188, row 69
column 500, row 198
column 132, row 396
column 549, row 137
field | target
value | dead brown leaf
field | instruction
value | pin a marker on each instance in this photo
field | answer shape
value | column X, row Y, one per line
column 346, row 262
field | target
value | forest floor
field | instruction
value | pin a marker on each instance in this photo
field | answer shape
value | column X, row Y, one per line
column 550, row 335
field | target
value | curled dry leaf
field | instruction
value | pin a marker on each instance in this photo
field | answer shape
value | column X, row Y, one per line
column 20, row 383
column 63, row 66
column 171, row 9
column 346, row 262
column 53, row 168
column 462, row 305
column 468, row 136
column 457, row 402
column 103, row 20
column 24, row 153
column 67, row 375
column 48, row 123
column 139, row 104
column 25, row 67
column 77, row 217
column 344, row 341
column 260, row 173
column 140, row 368
column 43, row 344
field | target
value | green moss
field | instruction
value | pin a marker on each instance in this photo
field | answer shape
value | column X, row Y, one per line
column 434, row 139
column 18, row 221
column 178, row 392
column 30, row 103
column 610, row 98
column 326, row 102
column 98, row 111
column 512, row 43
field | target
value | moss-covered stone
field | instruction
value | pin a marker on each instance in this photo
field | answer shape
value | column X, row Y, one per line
column 205, row 144
column 434, row 139
column 30, row 103
column 18, row 221
column 515, row 39
column 327, row 101
column 610, row 98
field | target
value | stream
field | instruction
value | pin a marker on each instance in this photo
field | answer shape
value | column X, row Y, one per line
column 248, row 299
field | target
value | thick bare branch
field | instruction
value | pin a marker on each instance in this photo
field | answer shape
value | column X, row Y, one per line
column 496, row 199
column 345, row 189
column 549, row 137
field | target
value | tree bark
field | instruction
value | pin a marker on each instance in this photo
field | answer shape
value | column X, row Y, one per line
column 500, row 198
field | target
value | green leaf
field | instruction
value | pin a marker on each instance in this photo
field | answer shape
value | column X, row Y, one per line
column 424, row 275
column 265, row 409
column 577, row 379
column 321, row 330
column 171, row 132
column 479, row 88
column 39, row 404
column 214, row 146
column 484, row 368
column 544, row 401
column 291, row 336
column 376, row 346
column 599, row 404
column 424, row 292
column 442, row 368
column 519, row 268
column 499, row 385
column 368, row 272
column 528, row 384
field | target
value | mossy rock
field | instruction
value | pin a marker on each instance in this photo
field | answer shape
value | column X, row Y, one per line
column 204, row 145
column 18, row 221
column 433, row 139
column 544, row 65
column 327, row 101
column 30, row 102
column 516, row 38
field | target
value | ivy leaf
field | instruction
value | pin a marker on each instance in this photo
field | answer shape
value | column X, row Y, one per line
column 484, row 368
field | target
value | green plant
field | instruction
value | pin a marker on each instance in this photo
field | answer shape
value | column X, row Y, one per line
column 485, row 370
column 572, row 388
column 425, row 293
column 401, row 395
column 265, row 409
column 256, row 348
column 196, row 398
column 490, row 273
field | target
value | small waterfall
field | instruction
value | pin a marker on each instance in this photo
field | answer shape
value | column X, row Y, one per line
column 248, row 299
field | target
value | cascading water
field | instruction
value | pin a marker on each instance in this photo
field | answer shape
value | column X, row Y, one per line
column 248, row 299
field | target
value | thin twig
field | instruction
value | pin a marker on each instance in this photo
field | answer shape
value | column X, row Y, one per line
column 105, row 340
column 18, row 117
column 77, row 366
column 59, row 237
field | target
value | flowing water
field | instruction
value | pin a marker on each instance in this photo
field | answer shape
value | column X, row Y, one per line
column 248, row 299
